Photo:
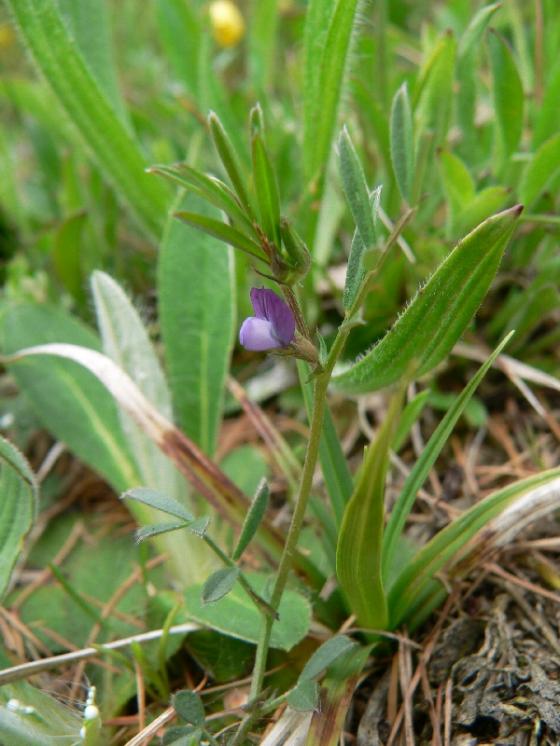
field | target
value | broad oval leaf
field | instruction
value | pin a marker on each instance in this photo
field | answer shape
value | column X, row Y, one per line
column 438, row 315
column 237, row 616
column 188, row 706
column 18, row 507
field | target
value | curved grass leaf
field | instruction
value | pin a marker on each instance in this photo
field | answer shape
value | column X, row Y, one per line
column 325, row 66
column 419, row 473
column 438, row 315
column 434, row 93
column 111, row 146
column 196, row 289
column 542, row 168
column 508, row 96
column 19, row 494
column 447, row 543
column 360, row 540
column 402, row 142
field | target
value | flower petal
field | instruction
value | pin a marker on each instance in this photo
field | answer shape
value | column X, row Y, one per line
column 269, row 306
column 258, row 335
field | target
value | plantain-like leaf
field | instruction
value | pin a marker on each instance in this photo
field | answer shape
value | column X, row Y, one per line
column 111, row 145
column 252, row 521
column 438, row 315
column 402, row 142
column 328, row 37
column 360, row 541
column 223, row 231
column 427, row 459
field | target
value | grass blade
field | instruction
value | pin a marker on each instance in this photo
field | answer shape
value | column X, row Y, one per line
column 419, row 473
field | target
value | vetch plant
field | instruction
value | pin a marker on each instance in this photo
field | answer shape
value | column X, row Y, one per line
column 425, row 215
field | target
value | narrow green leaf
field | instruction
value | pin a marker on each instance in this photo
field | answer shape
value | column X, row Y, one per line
column 438, row 315
column 196, row 290
column 445, row 547
column 304, row 697
column 420, row 471
column 487, row 202
column 360, row 541
column 230, row 161
column 211, row 189
column 253, row 519
column 356, row 270
column 69, row 402
column 434, row 92
column 109, row 143
column 19, row 494
column 219, row 584
column 408, row 417
column 188, row 706
column 474, row 31
column 66, row 255
column 337, row 476
column 324, row 84
column 237, row 616
column 266, row 189
column 541, row 169
column 356, row 189
column 457, row 181
column 222, row 231
column 402, row 142
column 159, row 501
column 508, row 96
column 325, row 655
column 148, row 532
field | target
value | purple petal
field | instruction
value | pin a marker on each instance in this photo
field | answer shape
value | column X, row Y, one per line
column 258, row 335
column 269, row 306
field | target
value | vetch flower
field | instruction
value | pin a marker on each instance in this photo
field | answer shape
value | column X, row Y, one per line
column 273, row 325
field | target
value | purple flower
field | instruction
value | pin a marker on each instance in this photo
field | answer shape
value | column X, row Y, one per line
column 273, row 324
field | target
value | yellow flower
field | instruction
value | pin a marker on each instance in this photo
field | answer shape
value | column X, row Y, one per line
column 227, row 22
